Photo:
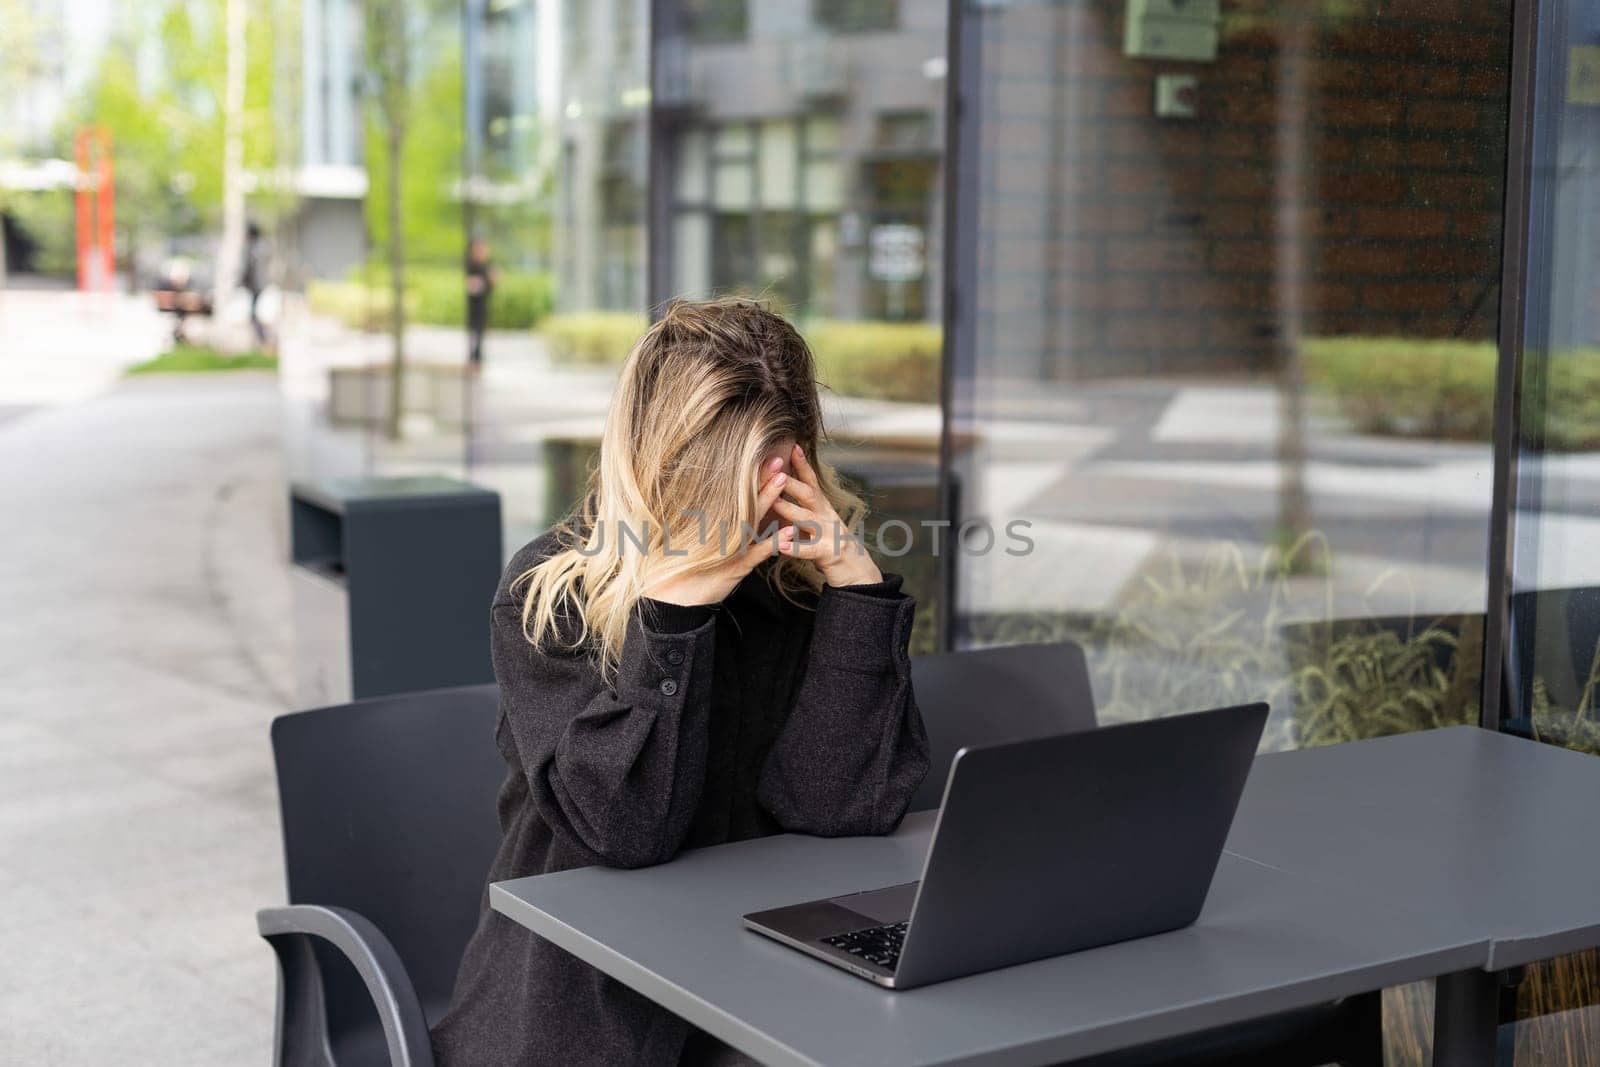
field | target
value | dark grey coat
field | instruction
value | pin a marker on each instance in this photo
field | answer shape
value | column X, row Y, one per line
column 751, row 717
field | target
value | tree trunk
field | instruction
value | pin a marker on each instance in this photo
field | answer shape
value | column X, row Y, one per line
column 397, row 282
column 1294, row 504
column 230, row 253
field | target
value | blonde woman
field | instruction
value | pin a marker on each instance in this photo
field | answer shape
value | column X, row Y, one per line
column 703, row 654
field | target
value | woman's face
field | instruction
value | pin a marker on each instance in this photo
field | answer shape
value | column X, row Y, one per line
column 775, row 459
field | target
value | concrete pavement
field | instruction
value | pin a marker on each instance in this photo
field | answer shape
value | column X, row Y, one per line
column 58, row 345
column 144, row 647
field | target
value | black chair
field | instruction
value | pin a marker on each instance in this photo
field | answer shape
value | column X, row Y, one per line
column 990, row 695
column 389, row 829
column 1554, row 634
column 1004, row 694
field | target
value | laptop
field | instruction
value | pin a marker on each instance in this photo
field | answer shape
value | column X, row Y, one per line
column 1047, row 846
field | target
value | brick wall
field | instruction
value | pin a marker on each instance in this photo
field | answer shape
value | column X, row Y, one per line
column 1113, row 242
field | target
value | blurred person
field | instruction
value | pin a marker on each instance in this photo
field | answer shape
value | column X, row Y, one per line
column 481, row 277
column 689, row 686
column 253, row 278
column 175, row 296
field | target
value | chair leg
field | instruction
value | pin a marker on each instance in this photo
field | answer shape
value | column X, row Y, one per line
column 302, row 1027
column 1363, row 1043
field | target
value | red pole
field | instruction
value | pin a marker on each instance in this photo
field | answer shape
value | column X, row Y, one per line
column 84, row 208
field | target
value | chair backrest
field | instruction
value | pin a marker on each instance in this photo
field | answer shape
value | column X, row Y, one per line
column 1555, row 634
column 989, row 695
column 389, row 810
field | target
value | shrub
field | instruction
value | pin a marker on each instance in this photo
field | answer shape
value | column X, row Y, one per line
column 1407, row 387
column 882, row 360
column 435, row 296
column 519, row 301
column 352, row 303
column 1226, row 629
column 592, row 338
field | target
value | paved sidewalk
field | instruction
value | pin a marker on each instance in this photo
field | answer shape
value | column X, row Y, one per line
column 59, row 346
column 143, row 643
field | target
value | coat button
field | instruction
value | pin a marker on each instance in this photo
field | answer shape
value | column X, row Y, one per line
column 668, row 686
column 674, row 656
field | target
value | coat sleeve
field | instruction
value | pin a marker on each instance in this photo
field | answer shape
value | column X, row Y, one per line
column 615, row 770
column 853, row 751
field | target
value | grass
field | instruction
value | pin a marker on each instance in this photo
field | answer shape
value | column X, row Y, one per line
column 189, row 359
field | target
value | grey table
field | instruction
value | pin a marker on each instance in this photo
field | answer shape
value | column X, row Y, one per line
column 1490, row 835
column 1350, row 869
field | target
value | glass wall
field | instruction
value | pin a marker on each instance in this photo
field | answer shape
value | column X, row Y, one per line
column 802, row 163
column 1552, row 660
column 377, row 303
column 1555, row 603
column 523, row 145
column 1218, row 398
column 1228, row 365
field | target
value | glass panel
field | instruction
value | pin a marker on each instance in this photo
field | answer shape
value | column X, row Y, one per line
column 527, row 128
column 732, row 139
column 800, row 183
column 691, row 184
column 735, row 188
column 691, row 242
column 779, row 162
column 1229, row 387
column 733, row 258
column 716, row 20
column 822, row 192
column 846, row 16
column 824, row 239
column 377, row 234
column 1555, row 605
column 822, row 134
column 779, row 275
column 1554, row 661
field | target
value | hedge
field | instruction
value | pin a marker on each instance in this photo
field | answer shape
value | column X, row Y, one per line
column 1408, row 387
column 435, row 296
column 592, row 338
column 1386, row 386
column 881, row 360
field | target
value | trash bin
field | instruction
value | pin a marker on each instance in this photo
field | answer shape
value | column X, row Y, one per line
column 393, row 578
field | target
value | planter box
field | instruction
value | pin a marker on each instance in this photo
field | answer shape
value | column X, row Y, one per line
column 361, row 396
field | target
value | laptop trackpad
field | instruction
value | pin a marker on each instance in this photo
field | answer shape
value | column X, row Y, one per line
column 889, row 905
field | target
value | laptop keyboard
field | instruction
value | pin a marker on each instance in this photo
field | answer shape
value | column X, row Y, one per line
column 875, row 944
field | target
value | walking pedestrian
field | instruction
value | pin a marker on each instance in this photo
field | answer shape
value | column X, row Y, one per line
column 253, row 277
column 481, row 276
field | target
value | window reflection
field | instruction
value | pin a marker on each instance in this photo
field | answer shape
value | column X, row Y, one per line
column 1233, row 353
column 805, row 169
column 1553, row 671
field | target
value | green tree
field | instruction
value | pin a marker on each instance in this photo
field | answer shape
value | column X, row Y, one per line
column 430, row 208
column 154, row 178
column 25, row 57
column 158, row 89
column 389, row 44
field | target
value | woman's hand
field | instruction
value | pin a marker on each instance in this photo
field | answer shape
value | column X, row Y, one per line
column 713, row 586
column 816, row 532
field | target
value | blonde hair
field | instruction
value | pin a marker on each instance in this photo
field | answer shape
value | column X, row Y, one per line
column 704, row 393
